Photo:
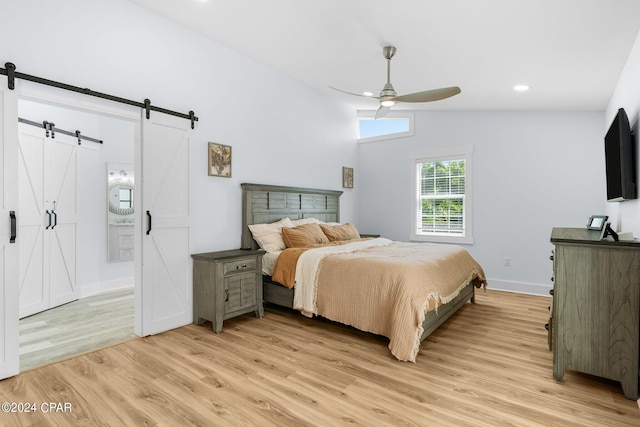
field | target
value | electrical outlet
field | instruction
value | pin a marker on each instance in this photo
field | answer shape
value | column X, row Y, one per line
column 507, row 262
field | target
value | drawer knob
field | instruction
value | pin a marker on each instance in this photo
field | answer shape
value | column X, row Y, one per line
column 238, row 267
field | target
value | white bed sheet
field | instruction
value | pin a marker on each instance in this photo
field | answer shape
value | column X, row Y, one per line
column 269, row 262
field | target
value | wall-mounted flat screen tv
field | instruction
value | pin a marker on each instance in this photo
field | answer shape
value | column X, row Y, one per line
column 620, row 156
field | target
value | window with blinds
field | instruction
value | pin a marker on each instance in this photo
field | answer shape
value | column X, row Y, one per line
column 442, row 197
column 442, row 189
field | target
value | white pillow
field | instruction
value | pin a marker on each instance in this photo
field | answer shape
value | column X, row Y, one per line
column 269, row 236
column 302, row 221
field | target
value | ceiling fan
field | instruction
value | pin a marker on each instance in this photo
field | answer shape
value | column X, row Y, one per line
column 389, row 97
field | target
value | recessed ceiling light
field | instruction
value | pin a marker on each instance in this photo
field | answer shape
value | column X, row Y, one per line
column 367, row 93
column 521, row 88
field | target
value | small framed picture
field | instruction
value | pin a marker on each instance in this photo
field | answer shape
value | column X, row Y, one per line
column 219, row 160
column 347, row 177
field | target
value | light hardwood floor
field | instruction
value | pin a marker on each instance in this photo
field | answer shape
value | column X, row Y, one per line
column 488, row 365
column 75, row 328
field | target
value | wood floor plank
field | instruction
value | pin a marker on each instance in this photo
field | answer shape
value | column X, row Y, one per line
column 77, row 327
column 487, row 365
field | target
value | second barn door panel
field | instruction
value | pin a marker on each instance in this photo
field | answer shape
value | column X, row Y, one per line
column 47, row 218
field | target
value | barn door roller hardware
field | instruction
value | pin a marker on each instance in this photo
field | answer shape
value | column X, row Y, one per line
column 12, row 75
column 51, row 129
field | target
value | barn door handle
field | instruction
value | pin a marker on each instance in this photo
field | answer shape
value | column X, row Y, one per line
column 149, row 222
column 12, row 215
column 48, row 226
column 55, row 219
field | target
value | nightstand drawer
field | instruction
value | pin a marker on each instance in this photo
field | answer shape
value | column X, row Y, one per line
column 239, row 265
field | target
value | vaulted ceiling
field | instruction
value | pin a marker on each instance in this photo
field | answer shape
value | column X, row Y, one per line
column 570, row 52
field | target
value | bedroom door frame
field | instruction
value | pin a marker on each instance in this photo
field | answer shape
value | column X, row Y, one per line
column 9, row 340
column 28, row 92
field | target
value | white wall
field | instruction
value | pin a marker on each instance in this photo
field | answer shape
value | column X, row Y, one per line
column 281, row 131
column 531, row 172
column 625, row 216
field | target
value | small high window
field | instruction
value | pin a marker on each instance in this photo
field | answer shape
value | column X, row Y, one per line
column 395, row 124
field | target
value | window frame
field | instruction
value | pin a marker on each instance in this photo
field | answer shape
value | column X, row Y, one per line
column 391, row 115
column 451, row 153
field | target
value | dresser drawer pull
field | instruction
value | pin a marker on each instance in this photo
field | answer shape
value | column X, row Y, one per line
column 238, row 267
column 226, row 295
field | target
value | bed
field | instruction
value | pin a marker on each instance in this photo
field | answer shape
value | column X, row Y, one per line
column 338, row 280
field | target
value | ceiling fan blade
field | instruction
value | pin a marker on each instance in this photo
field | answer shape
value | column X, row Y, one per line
column 429, row 95
column 382, row 111
column 356, row 94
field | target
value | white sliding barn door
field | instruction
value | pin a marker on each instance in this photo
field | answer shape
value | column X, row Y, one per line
column 9, row 347
column 48, row 221
column 62, row 245
column 33, row 288
column 165, row 212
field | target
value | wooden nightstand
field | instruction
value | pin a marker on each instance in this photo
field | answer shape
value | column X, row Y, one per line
column 226, row 284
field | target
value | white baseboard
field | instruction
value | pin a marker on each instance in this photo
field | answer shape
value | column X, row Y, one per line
column 519, row 287
column 106, row 286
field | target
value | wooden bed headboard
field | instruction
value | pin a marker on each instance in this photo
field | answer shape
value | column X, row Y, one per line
column 263, row 204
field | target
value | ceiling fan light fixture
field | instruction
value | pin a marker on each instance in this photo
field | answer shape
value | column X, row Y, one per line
column 388, row 95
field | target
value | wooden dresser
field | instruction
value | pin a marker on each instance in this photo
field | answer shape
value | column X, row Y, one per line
column 596, row 305
column 226, row 284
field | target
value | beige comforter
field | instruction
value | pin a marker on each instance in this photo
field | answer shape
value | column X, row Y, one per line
column 386, row 289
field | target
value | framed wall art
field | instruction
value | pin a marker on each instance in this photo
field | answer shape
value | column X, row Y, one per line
column 219, row 160
column 347, row 177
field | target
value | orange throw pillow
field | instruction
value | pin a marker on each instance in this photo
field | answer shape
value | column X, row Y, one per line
column 303, row 235
column 340, row 232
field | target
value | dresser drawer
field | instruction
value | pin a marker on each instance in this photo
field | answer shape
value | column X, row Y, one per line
column 126, row 230
column 126, row 254
column 126, row 241
column 239, row 265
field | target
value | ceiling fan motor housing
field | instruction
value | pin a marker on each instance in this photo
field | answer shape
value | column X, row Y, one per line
column 387, row 92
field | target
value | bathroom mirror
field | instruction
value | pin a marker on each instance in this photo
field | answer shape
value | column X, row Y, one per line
column 120, row 210
column 120, row 194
